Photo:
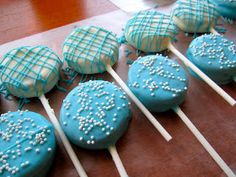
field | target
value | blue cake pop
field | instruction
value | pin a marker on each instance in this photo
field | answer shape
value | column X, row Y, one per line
column 160, row 83
column 27, row 144
column 95, row 114
column 214, row 55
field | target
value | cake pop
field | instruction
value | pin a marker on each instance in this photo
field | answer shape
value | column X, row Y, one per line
column 94, row 115
column 30, row 71
column 214, row 55
column 160, row 83
column 27, row 144
column 150, row 31
column 195, row 16
column 89, row 49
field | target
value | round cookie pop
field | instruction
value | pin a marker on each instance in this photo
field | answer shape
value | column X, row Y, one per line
column 158, row 82
column 31, row 72
column 160, row 20
column 27, row 144
column 214, row 55
column 226, row 8
column 94, row 115
column 89, row 49
column 195, row 16
column 161, row 84
column 94, row 50
column 150, row 31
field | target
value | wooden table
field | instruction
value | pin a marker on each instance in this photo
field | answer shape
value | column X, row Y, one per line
column 142, row 149
column 26, row 17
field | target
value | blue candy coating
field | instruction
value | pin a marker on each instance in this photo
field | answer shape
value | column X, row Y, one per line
column 160, row 83
column 95, row 114
column 215, row 56
column 27, row 144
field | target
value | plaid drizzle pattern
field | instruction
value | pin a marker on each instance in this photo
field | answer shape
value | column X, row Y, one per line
column 151, row 24
column 198, row 12
column 85, row 46
column 27, row 63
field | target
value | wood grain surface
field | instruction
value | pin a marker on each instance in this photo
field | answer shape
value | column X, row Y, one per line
column 142, row 149
column 20, row 18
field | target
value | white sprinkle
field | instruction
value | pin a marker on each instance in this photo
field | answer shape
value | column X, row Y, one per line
column 37, row 150
column 65, row 123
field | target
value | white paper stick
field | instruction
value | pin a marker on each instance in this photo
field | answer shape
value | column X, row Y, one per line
column 204, row 143
column 204, row 77
column 119, row 165
column 146, row 112
column 212, row 30
column 63, row 137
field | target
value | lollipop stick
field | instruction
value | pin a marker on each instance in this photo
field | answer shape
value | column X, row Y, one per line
column 212, row 30
column 204, row 143
column 62, row 136
column 146, row 112
column 119, row 165
column 211, row 83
